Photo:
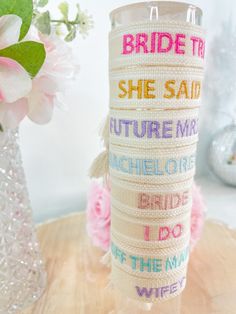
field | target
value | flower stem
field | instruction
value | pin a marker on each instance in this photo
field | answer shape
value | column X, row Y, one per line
column 65, row 22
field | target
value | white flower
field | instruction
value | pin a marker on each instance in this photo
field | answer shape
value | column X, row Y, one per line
column 85, row 22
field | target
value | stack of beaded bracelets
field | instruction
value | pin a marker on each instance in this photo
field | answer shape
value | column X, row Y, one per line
column 156, row 72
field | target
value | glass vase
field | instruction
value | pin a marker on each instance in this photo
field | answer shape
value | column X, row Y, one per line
column 22, row 275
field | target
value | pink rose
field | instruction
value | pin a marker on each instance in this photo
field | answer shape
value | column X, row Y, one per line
column 98, row 215
column 197, row 217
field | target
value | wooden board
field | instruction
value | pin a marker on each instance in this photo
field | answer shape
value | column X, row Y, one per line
column 77, row 281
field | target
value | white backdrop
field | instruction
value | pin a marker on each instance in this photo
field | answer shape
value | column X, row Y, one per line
column 57, row 156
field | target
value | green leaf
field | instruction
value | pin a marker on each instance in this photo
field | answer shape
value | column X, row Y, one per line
column 1, row 128
column 64, row 8
column 42, row 3
column 22, row 8
column 71, row 35
column 29, row 54
column 43, row 22
column 69, row 27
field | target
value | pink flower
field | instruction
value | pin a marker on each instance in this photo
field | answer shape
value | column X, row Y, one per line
column 197, row 217
column 59, row 62
column 99, row 212
column 10, row 26
column 41, row 100
column 15, row 82
column 19, row 95
column 98, row 215
column 51, row 82
column 11, row 114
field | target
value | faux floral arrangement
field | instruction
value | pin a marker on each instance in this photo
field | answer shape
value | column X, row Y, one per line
column 99, row 215
column 34, row 61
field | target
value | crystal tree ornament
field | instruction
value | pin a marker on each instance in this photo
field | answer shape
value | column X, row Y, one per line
column 222, row 154
column 22, row 276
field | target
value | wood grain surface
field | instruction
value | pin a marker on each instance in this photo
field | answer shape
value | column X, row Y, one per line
column 77, row 282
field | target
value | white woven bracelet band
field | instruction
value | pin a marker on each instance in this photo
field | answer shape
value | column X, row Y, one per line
column 153, row 221
column 153, row 233
column 157, row 43
column 147, row 289
column 169, row 258
column 151, row 213
column 145, row 264
column 148, row 129
column 152, row 166
column 158, row 231
column 152, row 245
column 141, row 200
column 156, row 88
column 154, row 271
column 149, row 251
